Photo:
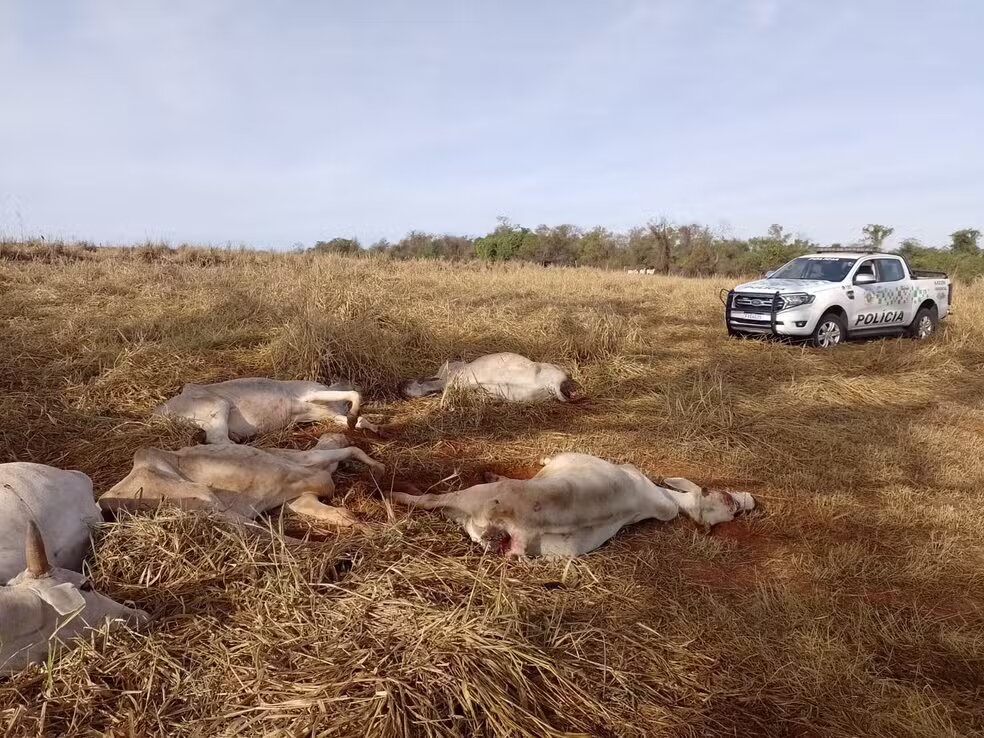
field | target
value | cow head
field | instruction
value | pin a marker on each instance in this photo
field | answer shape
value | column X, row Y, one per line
column 571, row 390
column 710, row 507
column 422, row 387
column 68, row 592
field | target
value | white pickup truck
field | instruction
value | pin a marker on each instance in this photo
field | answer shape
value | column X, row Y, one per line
column 829, row 296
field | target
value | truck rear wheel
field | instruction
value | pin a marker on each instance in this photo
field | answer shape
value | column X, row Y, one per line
column 830, row 331
column 925, row 323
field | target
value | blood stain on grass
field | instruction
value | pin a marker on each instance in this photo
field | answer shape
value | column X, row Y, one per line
column 755, row 550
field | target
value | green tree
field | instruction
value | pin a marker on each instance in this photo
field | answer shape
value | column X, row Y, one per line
column 663, row 237
column 597, row 247
column 773, row 250
column 641, row 249
column 415, row 245
column 777, row 234
column 965, row 241
column 455, row 248
column 339, row 246
column 506, row 242
column 909, row 248
column 875, row 234
column 557, row 245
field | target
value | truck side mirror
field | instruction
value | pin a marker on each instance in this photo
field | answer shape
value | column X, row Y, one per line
column 865, row 278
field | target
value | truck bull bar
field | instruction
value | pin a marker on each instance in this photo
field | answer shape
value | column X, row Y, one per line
column 728, row 298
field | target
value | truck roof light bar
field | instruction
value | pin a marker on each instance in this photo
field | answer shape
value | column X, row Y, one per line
column 848, row 250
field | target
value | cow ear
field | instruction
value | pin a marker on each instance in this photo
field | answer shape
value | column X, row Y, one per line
column 682, row 485
column 34, row 553
column 64, row 598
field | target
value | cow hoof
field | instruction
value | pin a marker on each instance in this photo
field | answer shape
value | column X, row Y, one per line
column 345, row 519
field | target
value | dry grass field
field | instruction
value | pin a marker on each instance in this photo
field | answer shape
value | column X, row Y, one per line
column 850, row 604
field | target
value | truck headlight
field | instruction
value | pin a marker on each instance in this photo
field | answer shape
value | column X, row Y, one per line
column 796, row 299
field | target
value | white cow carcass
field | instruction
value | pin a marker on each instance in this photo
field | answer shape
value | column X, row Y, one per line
column 238, row 483
column 239, row 409
column 573, row 505
column 60, row 503
column 506, row 376
column 46, row 604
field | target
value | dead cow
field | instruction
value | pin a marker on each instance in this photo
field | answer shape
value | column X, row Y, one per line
column 61, row 504
column 46, row 603
column 506, row 376
column 239, row 409
column 238, row 482
column 573, row 505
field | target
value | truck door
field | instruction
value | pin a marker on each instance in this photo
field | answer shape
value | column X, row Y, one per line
column 861, row 296
column 894, row 293
column 884, row 303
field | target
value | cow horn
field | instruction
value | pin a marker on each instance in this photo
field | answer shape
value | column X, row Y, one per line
column 37, row 558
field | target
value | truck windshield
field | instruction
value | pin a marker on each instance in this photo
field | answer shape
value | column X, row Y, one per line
column 826, row 268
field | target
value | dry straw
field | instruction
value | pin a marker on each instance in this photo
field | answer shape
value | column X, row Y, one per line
column 851, row 604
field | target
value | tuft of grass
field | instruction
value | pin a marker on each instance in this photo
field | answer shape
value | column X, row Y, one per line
column 850, row 603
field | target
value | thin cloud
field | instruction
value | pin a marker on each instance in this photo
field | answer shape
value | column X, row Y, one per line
column 270, row 125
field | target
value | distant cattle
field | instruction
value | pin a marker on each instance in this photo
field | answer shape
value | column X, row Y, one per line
column 573, row 505
column 505, row 376
column 238, row 482
column 239, row 409
column 59, row 502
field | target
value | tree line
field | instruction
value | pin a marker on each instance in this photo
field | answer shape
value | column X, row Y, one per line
column 668, row 248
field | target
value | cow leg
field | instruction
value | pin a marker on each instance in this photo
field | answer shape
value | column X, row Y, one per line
column 363, row 424
column 331, row 441
column 330, row 457
column 426, row 501
column 312, row 507
column 350, row 396
column 354, row 452
column 211, row 414
column 517, row 545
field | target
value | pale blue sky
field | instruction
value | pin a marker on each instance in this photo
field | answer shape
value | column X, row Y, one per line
column 275, row 122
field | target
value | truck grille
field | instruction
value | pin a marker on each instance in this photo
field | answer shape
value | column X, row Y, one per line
column 755, row 303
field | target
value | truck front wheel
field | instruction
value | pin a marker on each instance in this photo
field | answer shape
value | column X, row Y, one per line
column 924, row 324
column 830, row 331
